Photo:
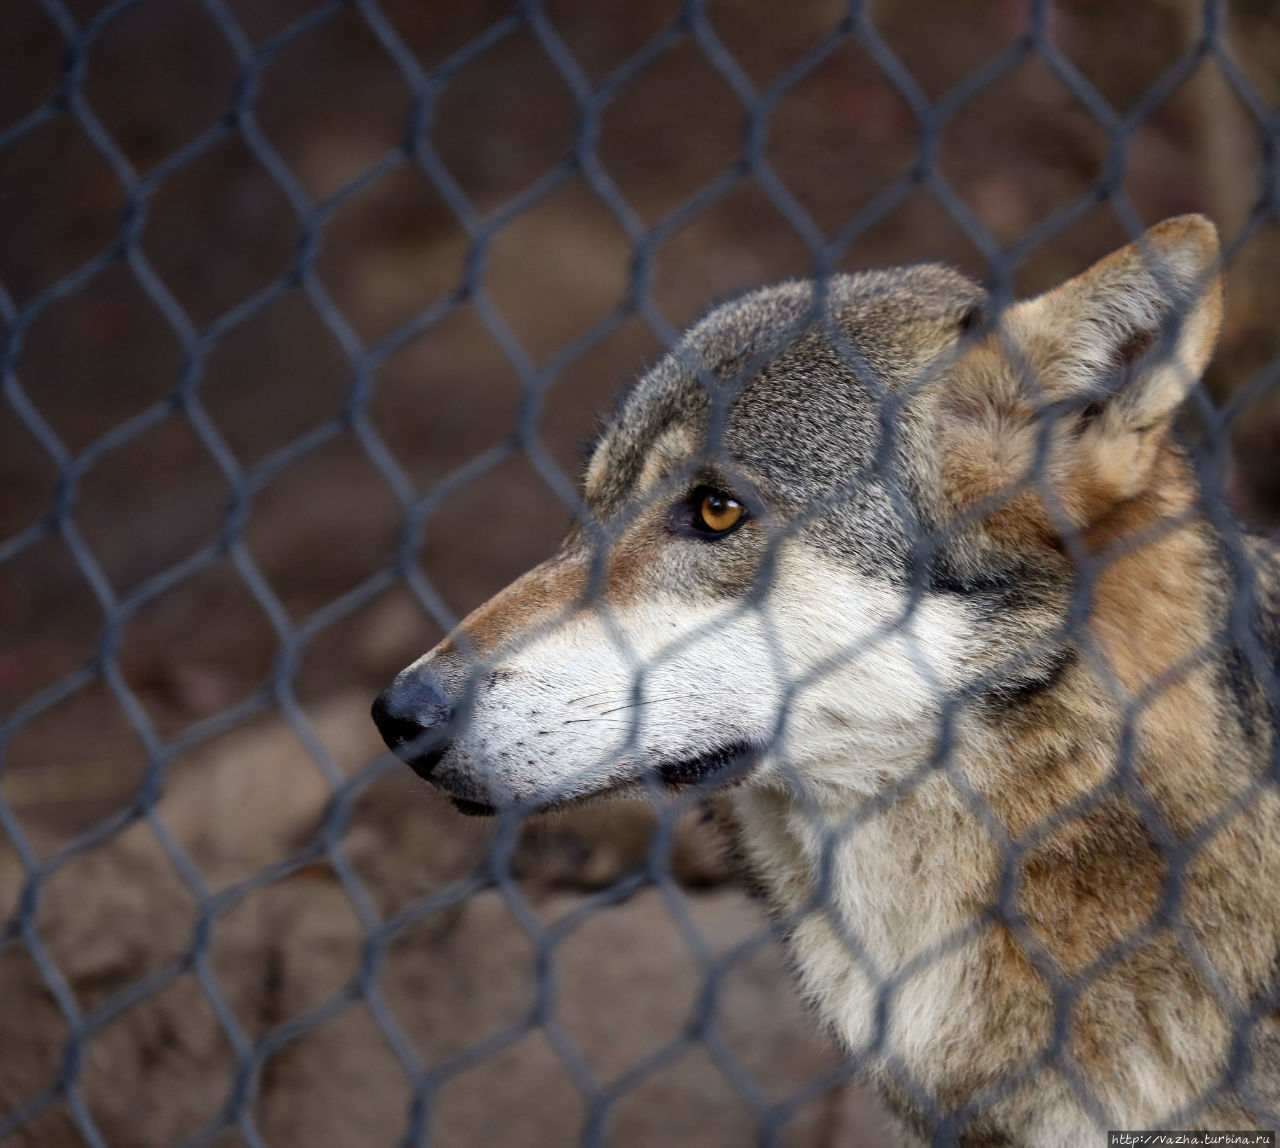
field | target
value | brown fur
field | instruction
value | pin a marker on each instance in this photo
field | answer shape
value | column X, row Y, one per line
column 1091, row 894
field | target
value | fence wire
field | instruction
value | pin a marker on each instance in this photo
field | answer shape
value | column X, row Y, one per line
column 416, row 150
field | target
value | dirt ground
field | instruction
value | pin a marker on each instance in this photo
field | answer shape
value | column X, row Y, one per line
column 217, row 231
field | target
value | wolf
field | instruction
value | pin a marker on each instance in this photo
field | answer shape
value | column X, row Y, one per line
column 927, row 594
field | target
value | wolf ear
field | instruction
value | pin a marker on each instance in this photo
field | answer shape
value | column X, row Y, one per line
column 1107, row 357
column 1133, row 333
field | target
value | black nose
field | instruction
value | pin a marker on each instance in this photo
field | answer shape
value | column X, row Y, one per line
column 412, row 714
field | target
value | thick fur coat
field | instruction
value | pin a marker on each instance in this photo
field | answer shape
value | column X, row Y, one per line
column 979, row 675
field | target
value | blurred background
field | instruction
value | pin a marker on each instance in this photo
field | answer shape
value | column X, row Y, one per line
column 164, row 345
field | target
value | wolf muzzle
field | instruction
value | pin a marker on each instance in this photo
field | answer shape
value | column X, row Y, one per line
column 413, row 714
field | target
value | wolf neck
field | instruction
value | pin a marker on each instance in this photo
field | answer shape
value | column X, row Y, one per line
column 863, row 896
column 1138, row 687
column 896, row 895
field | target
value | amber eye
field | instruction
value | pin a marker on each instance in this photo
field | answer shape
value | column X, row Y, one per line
column 718, row 512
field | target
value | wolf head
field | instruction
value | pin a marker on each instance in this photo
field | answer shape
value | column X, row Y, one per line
column 832, row 511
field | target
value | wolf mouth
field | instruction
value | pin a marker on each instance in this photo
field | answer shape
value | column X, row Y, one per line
column 714, row 768
column 473, row 808
column 718, row 766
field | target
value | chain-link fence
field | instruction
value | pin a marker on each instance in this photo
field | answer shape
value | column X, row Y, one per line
column 303, row 306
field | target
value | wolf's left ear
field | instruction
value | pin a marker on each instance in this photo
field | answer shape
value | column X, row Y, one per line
column 1133, row 333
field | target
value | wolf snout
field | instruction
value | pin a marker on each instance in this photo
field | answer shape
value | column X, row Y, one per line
column 413, row 715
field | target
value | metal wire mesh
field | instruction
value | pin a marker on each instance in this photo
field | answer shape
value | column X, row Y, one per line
column 184, row 401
